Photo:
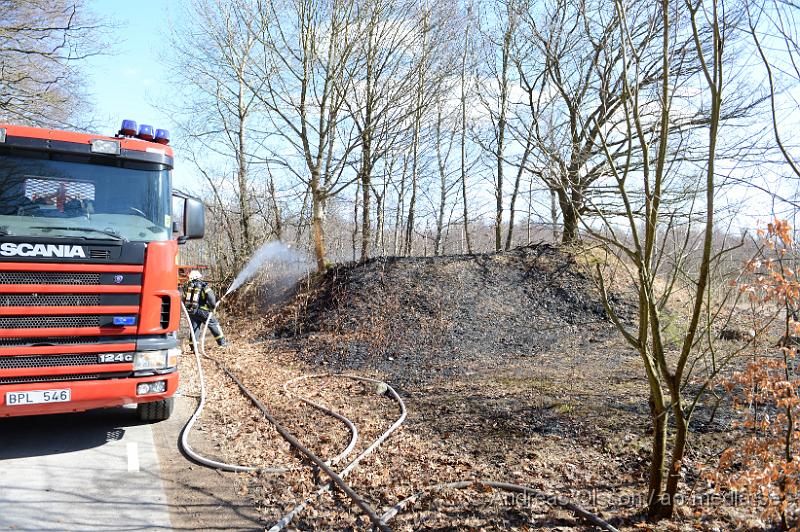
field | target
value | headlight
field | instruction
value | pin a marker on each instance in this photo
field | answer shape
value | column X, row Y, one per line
column 155, row 360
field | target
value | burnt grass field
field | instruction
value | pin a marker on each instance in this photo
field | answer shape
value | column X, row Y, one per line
column 421, row 319
column 510, row 369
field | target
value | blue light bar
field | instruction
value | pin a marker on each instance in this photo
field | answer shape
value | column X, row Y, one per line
column 128, row 128
column 145, row 132
column 124, row 320
column 162, row 136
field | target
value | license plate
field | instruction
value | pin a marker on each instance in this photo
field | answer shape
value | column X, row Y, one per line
column 37, row 397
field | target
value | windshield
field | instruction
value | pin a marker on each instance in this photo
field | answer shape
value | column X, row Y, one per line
column 64, row 196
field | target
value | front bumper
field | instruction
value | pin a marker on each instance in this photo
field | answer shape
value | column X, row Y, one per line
column 87, row 395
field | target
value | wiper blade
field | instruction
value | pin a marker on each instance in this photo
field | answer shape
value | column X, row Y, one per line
column 112, row 234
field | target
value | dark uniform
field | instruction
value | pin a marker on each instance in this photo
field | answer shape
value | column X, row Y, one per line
column 200, row 300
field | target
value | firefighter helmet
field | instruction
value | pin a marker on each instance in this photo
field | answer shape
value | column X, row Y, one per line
column 194, row 275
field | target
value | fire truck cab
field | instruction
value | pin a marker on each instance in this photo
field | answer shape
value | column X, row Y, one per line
column 89, row 301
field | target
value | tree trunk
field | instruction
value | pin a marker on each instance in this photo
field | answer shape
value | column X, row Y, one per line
column 441, row 164
column 366, row 189
column 498, row 191
column 501, row 126
column 510, row 233
column 366, row 149
column 676, row 460
column 658, row 415
column 354, row 239
column 379, row 225
column 570, row 217
column 440, row 218
column 409, row 248
column 464, row 136
column 276, row 209
column 317, row 219
column 570, row 199
column 244, row 207
column 409, row 245
column 241, row 159
column 498, row 216
column 466, row 211
column 398, row 219
column 515, row 192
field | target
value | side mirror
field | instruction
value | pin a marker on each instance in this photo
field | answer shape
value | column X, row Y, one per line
column 194, row 219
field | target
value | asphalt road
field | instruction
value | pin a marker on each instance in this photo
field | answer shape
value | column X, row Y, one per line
column 92, row 471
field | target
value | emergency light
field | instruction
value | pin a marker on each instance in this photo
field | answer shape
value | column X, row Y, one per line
column 145, row 132
column 131, row 129
column 128, row 128
column 162, row 136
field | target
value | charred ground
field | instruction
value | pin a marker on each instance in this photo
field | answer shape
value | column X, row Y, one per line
column 417, row 319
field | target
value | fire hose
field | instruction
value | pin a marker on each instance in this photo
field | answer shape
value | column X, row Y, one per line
column 199, row 349
column 337, row 479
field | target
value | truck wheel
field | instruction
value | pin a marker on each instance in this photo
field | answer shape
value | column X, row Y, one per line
column 156, row 411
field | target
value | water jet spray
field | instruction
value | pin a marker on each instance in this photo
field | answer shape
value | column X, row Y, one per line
column 286, row 261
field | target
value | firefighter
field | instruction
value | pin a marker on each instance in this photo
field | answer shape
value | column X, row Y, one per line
column 200, row 300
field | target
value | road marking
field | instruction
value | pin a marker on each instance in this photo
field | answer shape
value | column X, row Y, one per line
column 133, row 456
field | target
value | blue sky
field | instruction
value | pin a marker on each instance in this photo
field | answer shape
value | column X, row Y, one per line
column 125, row 82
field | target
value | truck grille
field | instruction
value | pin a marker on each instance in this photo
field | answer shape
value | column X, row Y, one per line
column 47, row 322
column 49, row 340
column 76, row 324
column 47, row 361
column 49, row 378
column 99, row 254
column 49, row 300
column 79, row 278
column 59, row 378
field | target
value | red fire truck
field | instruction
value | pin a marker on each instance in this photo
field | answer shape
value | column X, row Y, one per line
column 89, row 302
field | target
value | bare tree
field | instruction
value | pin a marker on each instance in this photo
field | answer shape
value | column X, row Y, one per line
column 658, row 268
column 444, row 138
column 42, row 45
column 570, row 69
column 215, row 63
column 434, row 73
column 421, row 96
column 467, row 53
column 302, row 82
column 379, row 100
column 496, row 83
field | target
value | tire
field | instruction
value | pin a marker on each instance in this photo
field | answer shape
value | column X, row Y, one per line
column 156, row 411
